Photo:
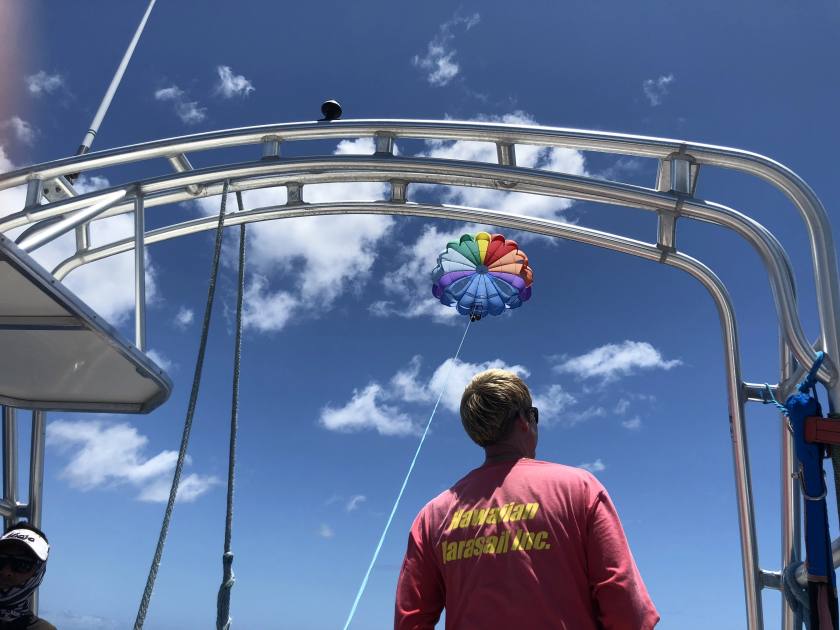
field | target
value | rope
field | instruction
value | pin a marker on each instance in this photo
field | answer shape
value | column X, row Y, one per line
column 223, row 619
column 404, row 484
column 185, row 437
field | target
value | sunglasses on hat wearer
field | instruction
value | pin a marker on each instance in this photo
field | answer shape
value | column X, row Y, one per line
column 17, row 564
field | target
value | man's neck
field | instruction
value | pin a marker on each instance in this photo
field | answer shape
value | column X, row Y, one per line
column 503, row 453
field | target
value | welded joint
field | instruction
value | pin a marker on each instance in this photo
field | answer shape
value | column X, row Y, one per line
column 58, row 188
column 34, row 191
column 678, row 173
column 399, row 189
column 666, row 230
column 271, row 148
column 758, row 392
column 181, row 164
column 770, row 579
column 384, row 143
column 506, row 152
column 294, row 194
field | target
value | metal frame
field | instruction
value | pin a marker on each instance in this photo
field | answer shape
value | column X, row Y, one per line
column 671, row 198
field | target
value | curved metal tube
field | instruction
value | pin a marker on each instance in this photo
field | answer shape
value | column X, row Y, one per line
column 823, row 254
column 452, row 172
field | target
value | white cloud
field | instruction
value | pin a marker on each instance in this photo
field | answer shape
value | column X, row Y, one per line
column 12, row 199
column 555, row 406
column 104, row 455
column 184, row 317
column 22, row 130
column 621, row 406
column 439, row 61
column 42, row 83
column 355, row 501
column 325, row 531
column 656, row 89
column 367, row 410
column 632, row 424
column 160, row 359
column 376, row 406
column 383, row 407
column 408, row 287
column 188, row 111
column 319, row 245
column 621, row 167
column 264, row 310
column 573, row 417
column 555, row 159
column 451, row 377
column 190, row 488
column 611, row 361
column 231, row 84
column 593, row 467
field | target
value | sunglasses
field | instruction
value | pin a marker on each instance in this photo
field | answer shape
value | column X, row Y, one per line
column 17, row 564
column 533, row 413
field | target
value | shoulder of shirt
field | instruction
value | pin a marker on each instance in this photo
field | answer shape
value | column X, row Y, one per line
column 561, row 472
column 558, row 470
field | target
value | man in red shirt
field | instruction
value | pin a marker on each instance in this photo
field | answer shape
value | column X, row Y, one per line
column 519, row 543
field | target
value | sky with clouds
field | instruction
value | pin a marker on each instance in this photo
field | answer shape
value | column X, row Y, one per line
column 345, row 350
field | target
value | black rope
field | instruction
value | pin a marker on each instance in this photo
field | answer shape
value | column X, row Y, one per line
column 185, row 437
column 223, row 619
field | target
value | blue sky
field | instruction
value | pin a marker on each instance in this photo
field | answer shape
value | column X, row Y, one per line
column 339, row 371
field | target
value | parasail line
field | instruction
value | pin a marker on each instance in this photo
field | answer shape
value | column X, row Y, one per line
column 404, row 484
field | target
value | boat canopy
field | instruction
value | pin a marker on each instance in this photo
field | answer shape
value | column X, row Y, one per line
column 58, row 354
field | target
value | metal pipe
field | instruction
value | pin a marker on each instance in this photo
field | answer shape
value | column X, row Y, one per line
column 34, row 190
column 823, row 254
column 181, row 164
column 87, row 141
column 139, row 274
column 10, row 463
column 365, row 168
column 790, row 503
column 53, row 231
column 83, row 237
column 36, row 481
column 36, row 467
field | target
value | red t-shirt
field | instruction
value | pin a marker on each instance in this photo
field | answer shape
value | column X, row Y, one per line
column 522, row 544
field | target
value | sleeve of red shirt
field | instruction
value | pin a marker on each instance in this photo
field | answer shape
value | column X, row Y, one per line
column 420, row 591
column 619, row 596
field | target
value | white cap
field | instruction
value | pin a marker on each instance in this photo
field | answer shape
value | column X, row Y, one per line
column 31, row 539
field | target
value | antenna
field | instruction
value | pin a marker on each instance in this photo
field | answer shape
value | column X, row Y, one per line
column 87, row 141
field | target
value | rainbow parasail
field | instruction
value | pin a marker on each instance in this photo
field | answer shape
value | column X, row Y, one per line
column 482, row 274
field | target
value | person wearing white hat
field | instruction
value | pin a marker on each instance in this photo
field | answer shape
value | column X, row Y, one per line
column 24, row 550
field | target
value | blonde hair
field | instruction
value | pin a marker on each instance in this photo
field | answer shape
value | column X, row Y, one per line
column 489, row 402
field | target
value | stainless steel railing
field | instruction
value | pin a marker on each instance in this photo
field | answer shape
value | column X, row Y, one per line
column 672, row 197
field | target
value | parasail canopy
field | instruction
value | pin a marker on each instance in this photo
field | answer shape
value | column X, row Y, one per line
column 482, row 274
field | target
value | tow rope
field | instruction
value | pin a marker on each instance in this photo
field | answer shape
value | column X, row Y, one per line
column 376, row 551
